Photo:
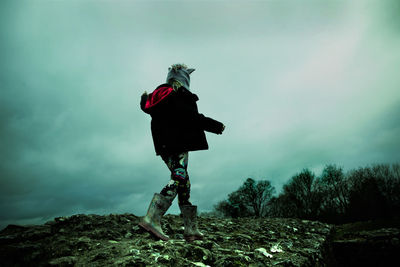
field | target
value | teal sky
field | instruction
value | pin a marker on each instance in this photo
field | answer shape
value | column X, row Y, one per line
column 298, row 84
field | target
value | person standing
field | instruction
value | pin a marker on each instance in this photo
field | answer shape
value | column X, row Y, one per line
column 177, row 128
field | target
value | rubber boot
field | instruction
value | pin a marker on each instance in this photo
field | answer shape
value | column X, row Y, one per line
column 152, row 221
column 189, row 214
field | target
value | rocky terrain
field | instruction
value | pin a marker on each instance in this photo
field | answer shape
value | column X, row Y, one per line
column 116, row 240
column 370, row 243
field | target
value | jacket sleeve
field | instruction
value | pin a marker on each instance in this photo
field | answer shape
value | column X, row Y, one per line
column 211, row 125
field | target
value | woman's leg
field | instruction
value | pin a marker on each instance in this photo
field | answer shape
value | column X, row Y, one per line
column 179, row 183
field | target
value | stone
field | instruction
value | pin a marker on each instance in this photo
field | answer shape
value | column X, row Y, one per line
column 64, row 261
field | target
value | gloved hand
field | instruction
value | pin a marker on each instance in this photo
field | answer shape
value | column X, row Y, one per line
column 143, row 100
column 222, row 129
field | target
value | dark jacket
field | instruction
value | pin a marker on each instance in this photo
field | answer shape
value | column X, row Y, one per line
column 176, row 124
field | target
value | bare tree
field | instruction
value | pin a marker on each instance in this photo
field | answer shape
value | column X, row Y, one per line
column 334, row 189
column 388, row 178
column 251, row 199
column 256, row 195
column 301, row 195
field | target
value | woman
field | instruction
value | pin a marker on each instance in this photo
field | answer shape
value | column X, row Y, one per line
column 177, row 128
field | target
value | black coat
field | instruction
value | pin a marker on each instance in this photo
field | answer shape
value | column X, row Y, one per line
column 176, row 124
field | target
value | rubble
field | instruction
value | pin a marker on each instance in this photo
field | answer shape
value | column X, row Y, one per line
column 116, row 240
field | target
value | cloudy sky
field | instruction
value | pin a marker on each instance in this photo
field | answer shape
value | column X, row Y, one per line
column 298, row 84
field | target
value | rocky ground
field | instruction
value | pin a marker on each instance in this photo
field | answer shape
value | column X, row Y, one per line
column 370, row 243
column 116, row 240
column 95, row 240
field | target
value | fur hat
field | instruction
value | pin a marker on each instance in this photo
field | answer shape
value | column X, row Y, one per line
column 180, row 73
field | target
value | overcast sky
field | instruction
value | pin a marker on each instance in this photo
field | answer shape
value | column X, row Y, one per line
column 298, row 84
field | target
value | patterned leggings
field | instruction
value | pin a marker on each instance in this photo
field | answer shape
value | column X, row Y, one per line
column 179, row 183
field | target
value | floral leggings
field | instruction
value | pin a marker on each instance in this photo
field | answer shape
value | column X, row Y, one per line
column 179, row 183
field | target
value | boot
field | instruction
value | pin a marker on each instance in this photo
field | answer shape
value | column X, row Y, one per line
column 189, row 214
column 152, row 221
